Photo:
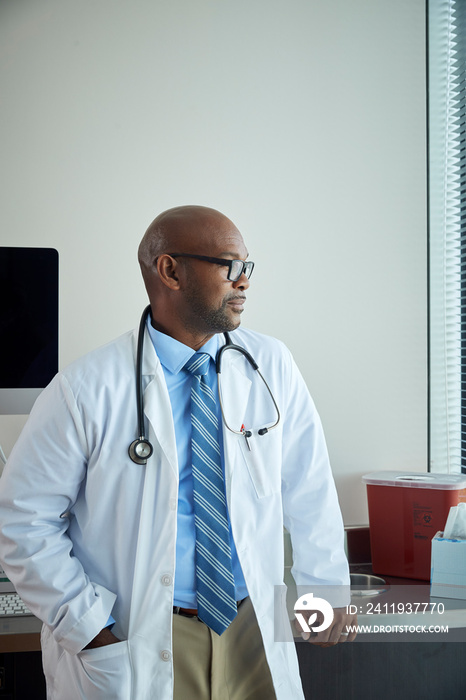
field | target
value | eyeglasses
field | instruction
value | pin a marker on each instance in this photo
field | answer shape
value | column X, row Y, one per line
column 235, row 267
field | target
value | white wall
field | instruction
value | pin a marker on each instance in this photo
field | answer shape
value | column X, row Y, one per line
column 302, row 120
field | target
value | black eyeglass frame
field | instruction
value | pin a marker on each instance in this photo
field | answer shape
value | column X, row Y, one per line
column 246, row 266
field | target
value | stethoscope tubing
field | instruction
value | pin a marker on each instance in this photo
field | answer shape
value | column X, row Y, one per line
column 229, row 345
column 139, row 397
column 141, row 449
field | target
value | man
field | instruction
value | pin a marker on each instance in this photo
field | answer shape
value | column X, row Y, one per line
column 138, row 570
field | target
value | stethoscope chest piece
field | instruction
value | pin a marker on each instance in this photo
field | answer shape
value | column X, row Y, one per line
column 140, row 450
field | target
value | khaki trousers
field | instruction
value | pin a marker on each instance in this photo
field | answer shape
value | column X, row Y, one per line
column 231, row 666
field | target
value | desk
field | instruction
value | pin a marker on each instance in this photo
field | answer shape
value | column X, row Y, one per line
column 21, row 676
column 408, row 603
column 20, row 634
column 404, row 666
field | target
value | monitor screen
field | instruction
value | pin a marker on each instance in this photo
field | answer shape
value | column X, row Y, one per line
column 28, row 325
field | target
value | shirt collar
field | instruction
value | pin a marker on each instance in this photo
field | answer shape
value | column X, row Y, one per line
column 174, row 355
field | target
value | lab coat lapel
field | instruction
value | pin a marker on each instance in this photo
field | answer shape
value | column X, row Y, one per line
column 235, row 387
column 157, row 407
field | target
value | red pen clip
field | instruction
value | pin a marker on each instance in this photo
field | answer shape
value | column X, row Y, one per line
column 247, row 434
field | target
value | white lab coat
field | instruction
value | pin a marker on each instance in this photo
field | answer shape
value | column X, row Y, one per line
column 85, row 532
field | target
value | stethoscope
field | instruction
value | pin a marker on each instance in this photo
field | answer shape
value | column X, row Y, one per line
column 141, row 449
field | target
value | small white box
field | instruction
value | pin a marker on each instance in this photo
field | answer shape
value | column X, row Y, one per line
column 448, row 568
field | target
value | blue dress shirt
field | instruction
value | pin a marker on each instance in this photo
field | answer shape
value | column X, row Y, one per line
column 173, row 355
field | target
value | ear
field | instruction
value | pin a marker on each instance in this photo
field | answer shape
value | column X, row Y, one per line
column 168, row 269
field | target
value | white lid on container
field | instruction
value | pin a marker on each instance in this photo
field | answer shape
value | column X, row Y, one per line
column 417, row 480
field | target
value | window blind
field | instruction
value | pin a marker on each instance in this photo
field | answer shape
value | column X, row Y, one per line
column 460, row 75
column 447, row 234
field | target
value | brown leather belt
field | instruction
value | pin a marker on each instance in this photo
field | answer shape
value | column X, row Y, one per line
column 192, row 612
column 186, row 612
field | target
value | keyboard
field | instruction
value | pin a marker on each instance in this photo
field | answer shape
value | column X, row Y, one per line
column 11, row 605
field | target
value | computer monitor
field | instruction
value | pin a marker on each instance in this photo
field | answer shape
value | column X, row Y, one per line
column 28, row 325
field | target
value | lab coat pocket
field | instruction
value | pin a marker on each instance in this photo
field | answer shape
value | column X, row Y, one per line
column 106, row 672
column 103, row 673
column 263, row 463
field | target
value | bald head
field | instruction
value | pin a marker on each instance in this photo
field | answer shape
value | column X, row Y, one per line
column 188, row 228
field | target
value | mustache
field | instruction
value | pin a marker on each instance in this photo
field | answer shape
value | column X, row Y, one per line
column 235, row 296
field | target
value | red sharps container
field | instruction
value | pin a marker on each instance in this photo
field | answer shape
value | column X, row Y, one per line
column 406, row 509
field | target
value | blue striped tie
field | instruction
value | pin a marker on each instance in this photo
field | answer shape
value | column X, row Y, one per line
column 215, row 586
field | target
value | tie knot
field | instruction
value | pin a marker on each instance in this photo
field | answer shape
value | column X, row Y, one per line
column 198, row 364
